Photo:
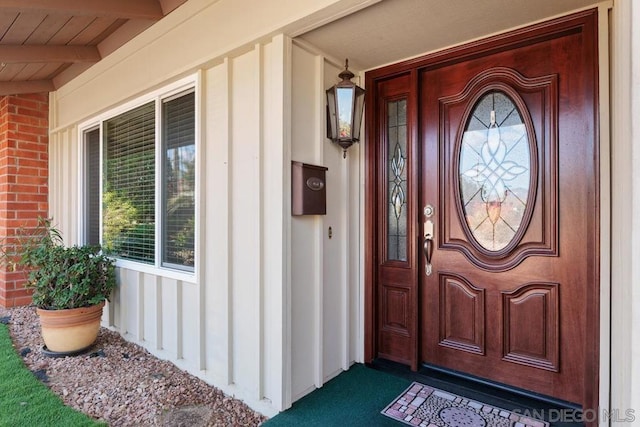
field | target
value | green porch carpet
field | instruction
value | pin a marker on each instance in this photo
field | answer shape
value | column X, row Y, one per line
column 353, row 398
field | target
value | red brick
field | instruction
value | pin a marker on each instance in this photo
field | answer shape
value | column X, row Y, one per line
column 22, row 171
column 21, row 301
column 32, row 162
column 28, row 145
column 4, row 214
column 30, row 197
column 21, row 291
column 34, row 113
column 29, row 180
column 25, row 102
column 24, row 138
column 35, row 130
column 27, row 120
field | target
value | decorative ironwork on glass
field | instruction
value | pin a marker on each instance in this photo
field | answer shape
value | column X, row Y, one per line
column 495, row 167
column 397, row 185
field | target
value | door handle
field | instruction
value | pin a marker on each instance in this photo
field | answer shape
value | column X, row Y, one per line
column 427, row 246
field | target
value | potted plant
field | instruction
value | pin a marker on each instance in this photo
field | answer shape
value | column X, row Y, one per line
column 70, row 285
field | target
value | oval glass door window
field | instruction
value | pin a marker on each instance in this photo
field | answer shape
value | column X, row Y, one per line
column 494, row 171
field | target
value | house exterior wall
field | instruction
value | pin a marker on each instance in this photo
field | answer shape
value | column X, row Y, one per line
column 221, row 322
column 237, row 321
column 325, row 270
column 274, row 308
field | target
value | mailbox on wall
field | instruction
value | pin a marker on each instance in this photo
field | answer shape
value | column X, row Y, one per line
column 308, row 189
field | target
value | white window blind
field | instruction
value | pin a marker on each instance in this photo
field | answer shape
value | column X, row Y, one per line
column 129, row 185
column 92, row 186
column 179, row 165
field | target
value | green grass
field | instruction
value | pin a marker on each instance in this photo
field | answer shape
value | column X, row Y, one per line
column 24, row 400
column 353, row 398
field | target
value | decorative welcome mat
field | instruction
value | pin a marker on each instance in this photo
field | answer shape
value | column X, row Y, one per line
column 425, row 406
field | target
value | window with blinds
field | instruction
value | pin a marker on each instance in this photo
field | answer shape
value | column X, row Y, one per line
column 129, row 185
column 178, row 175
column 145, row 152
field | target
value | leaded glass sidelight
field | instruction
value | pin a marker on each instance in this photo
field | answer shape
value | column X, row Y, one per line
column 397, row 184
column 494, row 171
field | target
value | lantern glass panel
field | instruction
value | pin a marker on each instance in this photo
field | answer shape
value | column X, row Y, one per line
column 345, row 111
column 359, row 110
column 332, row 131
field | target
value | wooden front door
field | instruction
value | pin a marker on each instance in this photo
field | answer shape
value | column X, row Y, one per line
column 483, row 210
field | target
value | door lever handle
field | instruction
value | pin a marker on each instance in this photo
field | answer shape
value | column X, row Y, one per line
column 427, row 246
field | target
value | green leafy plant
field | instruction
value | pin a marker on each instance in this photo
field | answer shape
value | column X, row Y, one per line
column 61, row 277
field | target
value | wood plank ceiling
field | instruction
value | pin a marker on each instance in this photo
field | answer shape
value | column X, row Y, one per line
column 46, row 43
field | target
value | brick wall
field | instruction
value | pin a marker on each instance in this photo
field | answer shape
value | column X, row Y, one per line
column 24, row 137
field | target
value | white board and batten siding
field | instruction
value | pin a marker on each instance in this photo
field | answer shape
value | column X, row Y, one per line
column 325, row 271
column 273, row 309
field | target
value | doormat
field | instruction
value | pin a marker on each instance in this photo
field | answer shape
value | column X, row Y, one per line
column 424, row 406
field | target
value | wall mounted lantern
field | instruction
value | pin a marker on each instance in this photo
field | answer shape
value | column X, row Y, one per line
column 345, row 105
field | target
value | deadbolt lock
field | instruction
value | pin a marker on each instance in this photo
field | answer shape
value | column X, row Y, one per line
column 428, row 211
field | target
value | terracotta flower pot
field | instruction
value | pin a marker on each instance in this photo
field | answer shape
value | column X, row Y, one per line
column 72, row 329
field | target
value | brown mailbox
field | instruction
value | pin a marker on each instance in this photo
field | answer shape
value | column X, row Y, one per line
column 308, row 189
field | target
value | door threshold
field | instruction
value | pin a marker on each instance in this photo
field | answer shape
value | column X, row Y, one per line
column 558, row 413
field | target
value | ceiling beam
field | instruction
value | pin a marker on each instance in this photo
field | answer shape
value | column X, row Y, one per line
column 33, row 86
column 126, row 9
column 40, row 54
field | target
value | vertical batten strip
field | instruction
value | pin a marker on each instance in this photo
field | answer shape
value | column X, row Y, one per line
column 258, row 218
column 319, row 224
column 344, row 219
column 200, row 230
column 158, row 303
column 73, row 177
column 54, row 148
column 80, row 148
column 228, row 253
column 275, row 104
column 62, row 221
column 122, row 290
column 140, row 311
column 359, row 257
column 179, row 320
column 282, row 298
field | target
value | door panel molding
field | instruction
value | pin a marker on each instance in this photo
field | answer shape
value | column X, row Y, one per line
column 536, row 307
column 462, row 317
column 537, row 102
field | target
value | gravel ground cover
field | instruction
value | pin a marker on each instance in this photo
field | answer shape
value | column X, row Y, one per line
column 123, row 384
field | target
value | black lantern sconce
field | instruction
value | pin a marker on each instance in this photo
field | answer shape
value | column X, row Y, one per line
column 345, row 105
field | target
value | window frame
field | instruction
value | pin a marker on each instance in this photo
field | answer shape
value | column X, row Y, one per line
column 178, row 88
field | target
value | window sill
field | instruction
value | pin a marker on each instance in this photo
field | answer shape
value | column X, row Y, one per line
column 156, row 271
